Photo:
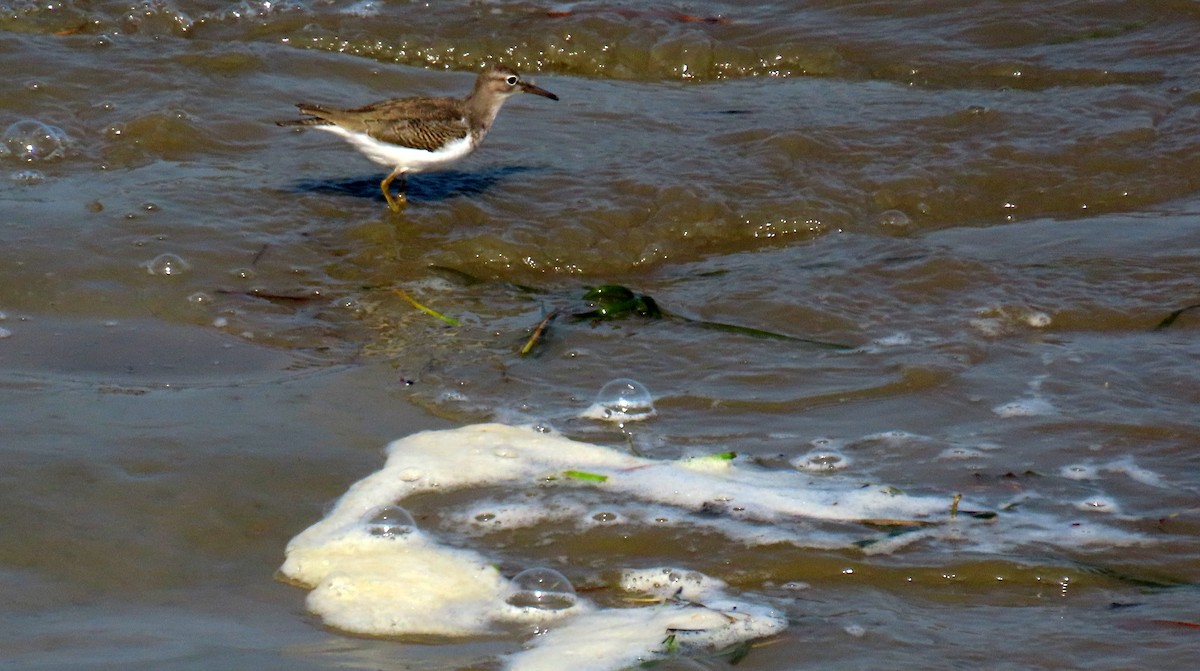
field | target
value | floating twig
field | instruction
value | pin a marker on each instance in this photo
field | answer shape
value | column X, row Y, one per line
column 429, row 311
column 539, row 333
column 261, row 252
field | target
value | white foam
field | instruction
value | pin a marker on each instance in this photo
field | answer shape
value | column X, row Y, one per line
column 671, row 583
column 621, row 638
column 1099, row 504
column 1079, row 472
column 1037, row 319
column 413, row 584
column 822, row 460
column 894, row 340
column 1125, row 466
column 1128, row 467
column 387, row 586
column 988, row 326
column 961, row 453
column 1026, row 407
column 892, row 438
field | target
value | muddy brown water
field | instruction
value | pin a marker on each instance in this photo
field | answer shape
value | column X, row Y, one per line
column 994, row 204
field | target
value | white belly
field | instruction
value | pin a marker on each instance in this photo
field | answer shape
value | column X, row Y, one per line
column 406, row 158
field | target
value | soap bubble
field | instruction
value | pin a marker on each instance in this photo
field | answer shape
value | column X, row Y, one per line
column 541, row 589
column 390, row 521
column 894, row 219
column 166, row 264
column 32, row 140
column 822, row 460
column 622, row 400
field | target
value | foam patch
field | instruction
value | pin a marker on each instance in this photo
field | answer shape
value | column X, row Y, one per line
column 373, row 573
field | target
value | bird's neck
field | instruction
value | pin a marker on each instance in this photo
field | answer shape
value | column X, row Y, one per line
column 482, row 111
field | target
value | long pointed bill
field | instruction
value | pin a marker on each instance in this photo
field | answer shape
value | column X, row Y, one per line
column 526, row 87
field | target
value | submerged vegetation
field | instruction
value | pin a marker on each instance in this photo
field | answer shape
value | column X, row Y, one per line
column 609, row 302
column 612, row 302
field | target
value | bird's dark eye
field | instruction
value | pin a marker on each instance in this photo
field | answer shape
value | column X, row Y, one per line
column 512, row 80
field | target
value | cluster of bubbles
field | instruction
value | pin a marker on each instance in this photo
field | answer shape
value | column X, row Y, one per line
column 669, row 582
column 541, row 589
column 390, row 521
column 31, row 140
column 677, row 580
column 28, row 177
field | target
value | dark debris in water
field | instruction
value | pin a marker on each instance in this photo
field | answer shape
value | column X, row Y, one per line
column 1171, row 318
column 609, row 302
column 287, row 299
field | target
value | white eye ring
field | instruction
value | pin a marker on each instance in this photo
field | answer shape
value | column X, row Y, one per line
column 512, row 80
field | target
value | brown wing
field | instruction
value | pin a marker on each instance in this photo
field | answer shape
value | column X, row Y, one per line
column 421, row 123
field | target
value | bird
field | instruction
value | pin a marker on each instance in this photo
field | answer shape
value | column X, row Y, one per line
column 420, row 133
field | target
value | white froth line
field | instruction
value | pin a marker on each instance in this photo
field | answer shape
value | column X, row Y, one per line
column 414, row 584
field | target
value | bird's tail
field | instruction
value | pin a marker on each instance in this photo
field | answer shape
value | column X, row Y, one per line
column 315, row 118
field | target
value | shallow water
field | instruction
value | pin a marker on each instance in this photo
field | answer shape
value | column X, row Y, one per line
column 993, row 205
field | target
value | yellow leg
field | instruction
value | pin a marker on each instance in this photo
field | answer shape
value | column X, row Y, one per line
column 385, row 185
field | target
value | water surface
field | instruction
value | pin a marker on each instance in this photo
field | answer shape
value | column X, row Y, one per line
column 993, row 205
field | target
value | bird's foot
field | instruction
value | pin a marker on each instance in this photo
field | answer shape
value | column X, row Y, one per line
column 396, row 203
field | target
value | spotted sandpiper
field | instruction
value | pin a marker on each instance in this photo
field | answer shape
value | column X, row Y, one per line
column 417, row 134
